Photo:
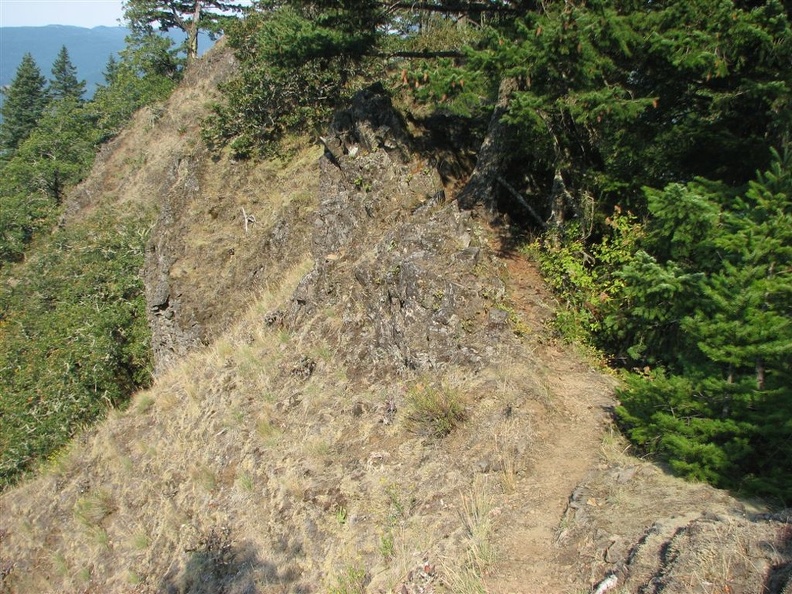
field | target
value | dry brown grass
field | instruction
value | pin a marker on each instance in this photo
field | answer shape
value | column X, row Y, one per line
column 464, row 575
column 234, row 473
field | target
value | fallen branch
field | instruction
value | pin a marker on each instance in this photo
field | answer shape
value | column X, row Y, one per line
column 522, row 201
column 248, row 219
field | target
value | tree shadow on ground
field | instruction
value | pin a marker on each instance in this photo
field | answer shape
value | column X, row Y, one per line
column 218, row 566
column 779, row 578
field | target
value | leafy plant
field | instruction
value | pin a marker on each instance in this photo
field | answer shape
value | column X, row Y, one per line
column 73, row 337
column 587, row 277
column 295, row 68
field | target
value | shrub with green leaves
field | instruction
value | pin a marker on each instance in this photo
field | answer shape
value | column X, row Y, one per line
column 587, row 276
column 295, row 68
column 73, row 337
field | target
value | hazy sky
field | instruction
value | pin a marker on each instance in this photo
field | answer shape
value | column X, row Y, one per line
column 82, row 13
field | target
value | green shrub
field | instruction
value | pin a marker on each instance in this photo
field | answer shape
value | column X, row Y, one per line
column 74, row 339
column 294, row 71
column 586, row 276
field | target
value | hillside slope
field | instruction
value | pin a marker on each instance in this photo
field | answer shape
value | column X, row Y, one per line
column 356, row 392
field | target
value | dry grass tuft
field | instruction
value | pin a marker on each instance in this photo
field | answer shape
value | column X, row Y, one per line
column 351, row 580
column 511, row 443
column 91, row 509
column 434, row 410
column 466, row 576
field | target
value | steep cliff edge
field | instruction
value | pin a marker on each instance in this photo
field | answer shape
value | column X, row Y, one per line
column 356, row 392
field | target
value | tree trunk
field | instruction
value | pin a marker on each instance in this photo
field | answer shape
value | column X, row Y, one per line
column 192, row 34
column 760, row 374
column 480, row 188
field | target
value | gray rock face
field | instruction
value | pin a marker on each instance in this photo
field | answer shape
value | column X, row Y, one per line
column 408, row 281
column 391, row 254
column 224, row 230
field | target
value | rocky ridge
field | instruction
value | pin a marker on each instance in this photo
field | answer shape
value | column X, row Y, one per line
column 306, row 314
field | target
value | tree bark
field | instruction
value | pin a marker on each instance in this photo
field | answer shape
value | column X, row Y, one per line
column 192, row 33
column 480, row 188
column 760, row 374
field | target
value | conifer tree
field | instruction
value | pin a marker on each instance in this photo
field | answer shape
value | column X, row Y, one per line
column 191, row 16
column 64, row 82
column 747, row 325
column 57, row 154
column 111, row 70
column 719, row 297
column 25, row 99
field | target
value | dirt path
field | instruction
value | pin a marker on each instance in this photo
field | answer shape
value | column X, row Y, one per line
column 569, row 433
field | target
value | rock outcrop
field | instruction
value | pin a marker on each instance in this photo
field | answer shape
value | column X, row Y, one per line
column 380, row 407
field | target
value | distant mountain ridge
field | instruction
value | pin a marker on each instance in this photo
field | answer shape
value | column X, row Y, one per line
column 89, row 49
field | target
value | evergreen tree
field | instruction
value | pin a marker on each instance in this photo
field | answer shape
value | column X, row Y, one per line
column 745, row 321
column 25, row 99
column 608, row 96
column 191, row 16
column 57, row 154
column 111, row 70
column 296, row 66
column 711, row 314
column 64, row 83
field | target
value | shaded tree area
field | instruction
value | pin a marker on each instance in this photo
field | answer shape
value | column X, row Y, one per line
column 301, row 60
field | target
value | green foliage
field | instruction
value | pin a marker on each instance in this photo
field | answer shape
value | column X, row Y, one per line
column 21, row 216
column 294, row 71
column 58, row 145
column 587, row 278
column 73, row 336
column 73, row 330
column 25, row 99
column 147, row 71
column 442, row 82
column 708, row 305
column 64, row 83
column 444, row 85
column 613, row 96
column 146, row 16
column 614, row 100
column 57, row 154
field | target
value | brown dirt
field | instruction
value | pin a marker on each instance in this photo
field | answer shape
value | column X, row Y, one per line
column 586, row 508
column 569, row 429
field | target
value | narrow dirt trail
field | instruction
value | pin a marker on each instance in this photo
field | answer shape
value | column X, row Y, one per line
column 569, row 429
